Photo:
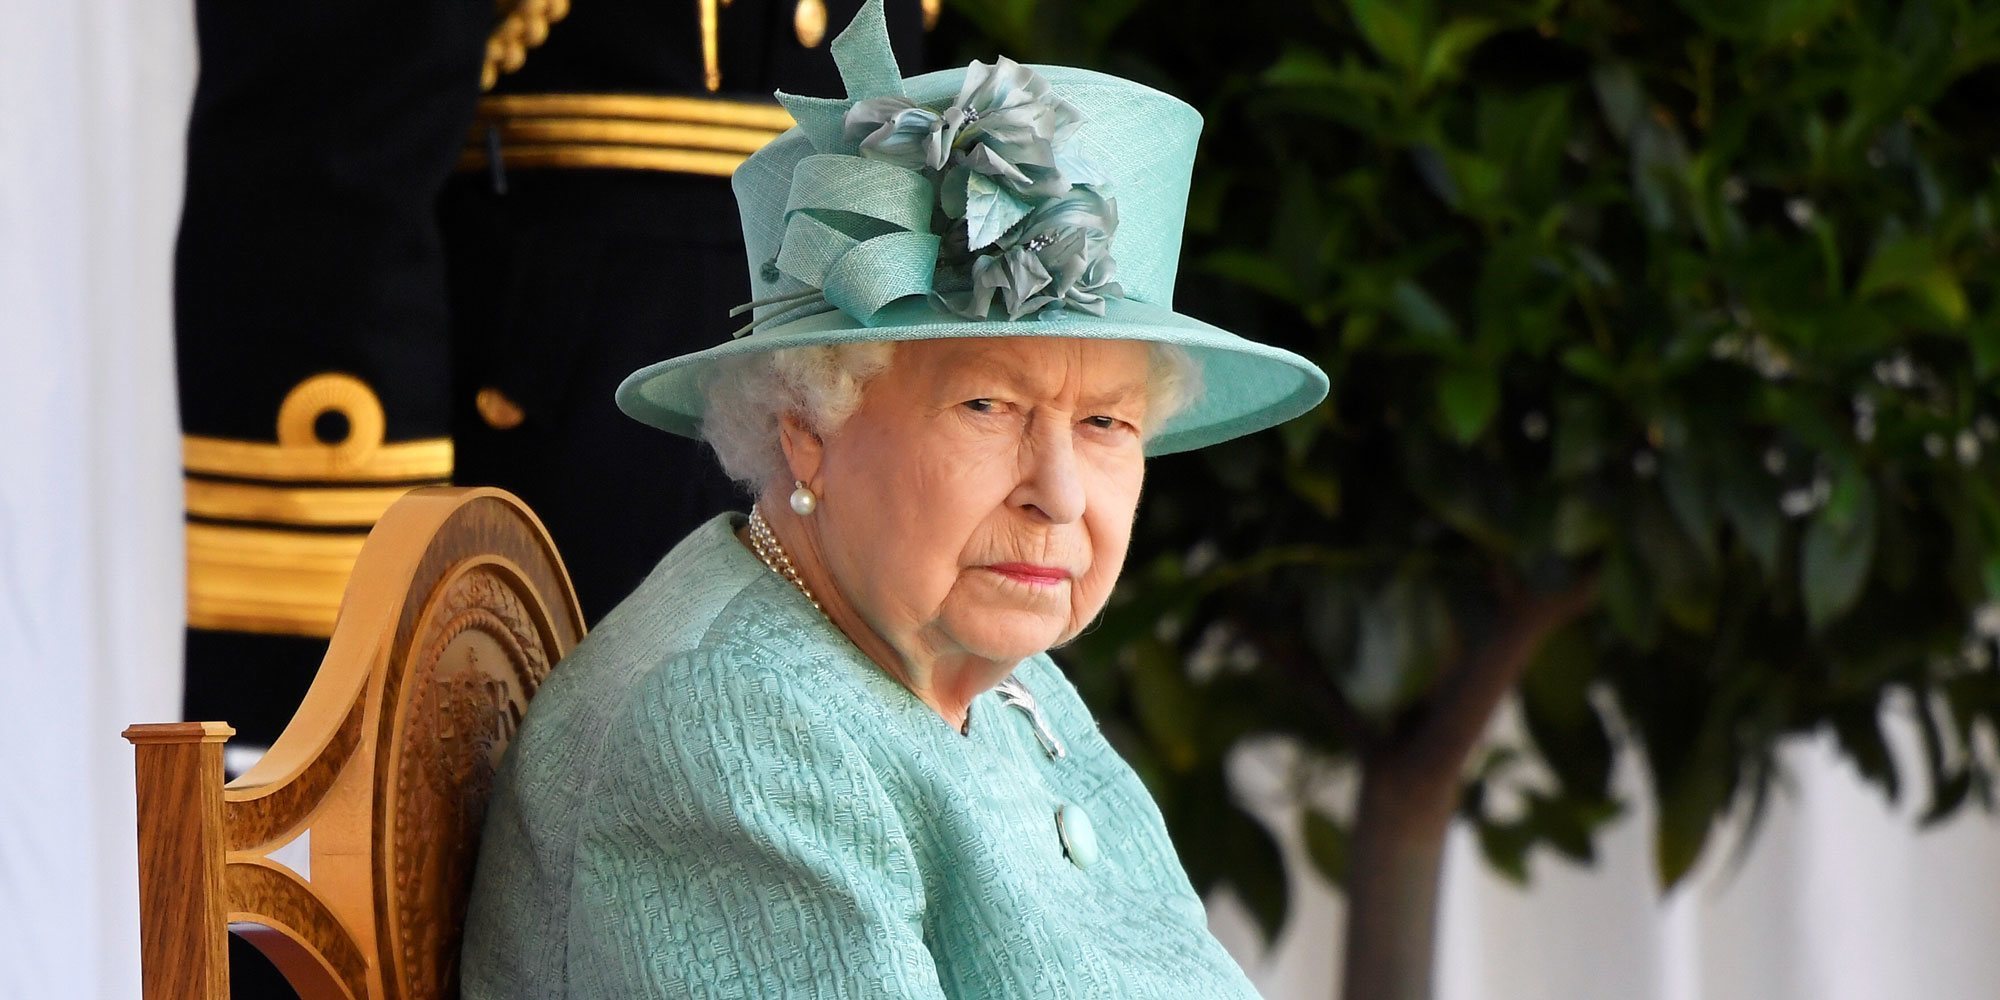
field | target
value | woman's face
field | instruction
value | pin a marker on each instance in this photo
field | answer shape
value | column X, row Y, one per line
column 980, row 500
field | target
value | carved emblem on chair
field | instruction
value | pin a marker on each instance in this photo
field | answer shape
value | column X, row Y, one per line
column 467, row 693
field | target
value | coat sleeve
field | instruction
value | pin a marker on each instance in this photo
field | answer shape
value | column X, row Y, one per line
column 742, row 846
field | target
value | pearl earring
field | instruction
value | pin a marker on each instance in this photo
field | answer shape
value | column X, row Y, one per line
column 803, row 500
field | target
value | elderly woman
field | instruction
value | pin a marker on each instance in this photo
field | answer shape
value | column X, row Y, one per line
column 822, row 751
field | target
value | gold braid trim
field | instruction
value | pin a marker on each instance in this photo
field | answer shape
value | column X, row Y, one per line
column 261, row 580
column 361, row 456
column 687, row 135
column 310, row 506
column 523, row 25
column 275, row 528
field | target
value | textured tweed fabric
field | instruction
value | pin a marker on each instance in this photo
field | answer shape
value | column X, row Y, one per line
column 717, row 795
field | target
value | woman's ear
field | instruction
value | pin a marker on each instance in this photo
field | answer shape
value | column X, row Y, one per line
column 803, row 449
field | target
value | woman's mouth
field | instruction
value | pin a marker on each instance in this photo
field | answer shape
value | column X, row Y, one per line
column 1031, row 574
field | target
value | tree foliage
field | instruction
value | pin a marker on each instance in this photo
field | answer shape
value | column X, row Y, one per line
column 1690, row 306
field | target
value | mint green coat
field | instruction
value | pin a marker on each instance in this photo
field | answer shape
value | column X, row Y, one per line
column 717, row 795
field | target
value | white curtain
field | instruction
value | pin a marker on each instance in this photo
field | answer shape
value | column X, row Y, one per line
column 1839, row 897
column 93, row 108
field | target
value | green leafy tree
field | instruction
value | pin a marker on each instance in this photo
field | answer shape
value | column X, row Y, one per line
column 1664, row 339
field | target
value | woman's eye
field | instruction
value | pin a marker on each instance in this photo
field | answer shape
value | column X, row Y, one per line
column 1103, row 422
column 979, row 405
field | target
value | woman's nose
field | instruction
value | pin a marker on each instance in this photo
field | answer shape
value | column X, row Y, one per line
column 1051, row 483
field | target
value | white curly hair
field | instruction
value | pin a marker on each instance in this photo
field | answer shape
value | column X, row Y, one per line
column 823, row 385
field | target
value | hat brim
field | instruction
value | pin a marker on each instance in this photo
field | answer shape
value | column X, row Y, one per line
column 1246, row 386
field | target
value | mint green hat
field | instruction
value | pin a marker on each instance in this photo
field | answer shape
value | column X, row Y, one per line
column 993, row 201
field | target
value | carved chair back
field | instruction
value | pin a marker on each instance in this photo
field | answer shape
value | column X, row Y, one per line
column 346, row 853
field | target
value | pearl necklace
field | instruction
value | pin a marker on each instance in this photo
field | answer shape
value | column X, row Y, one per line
column 765, row 543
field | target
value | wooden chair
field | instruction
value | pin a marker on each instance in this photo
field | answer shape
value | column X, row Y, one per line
column 457, row 608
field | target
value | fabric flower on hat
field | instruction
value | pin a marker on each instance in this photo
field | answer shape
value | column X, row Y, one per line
column 1010, row 124
column 1081, row 272
column 1006, row 124
column 901, row 131
column 1058, row 256
column 1021, row 219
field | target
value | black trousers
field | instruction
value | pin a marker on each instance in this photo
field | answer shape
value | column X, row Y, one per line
column 562, row 284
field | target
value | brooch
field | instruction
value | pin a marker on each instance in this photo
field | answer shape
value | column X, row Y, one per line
column 1016, row 694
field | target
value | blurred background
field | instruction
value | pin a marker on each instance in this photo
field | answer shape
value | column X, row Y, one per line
column 1624, row 625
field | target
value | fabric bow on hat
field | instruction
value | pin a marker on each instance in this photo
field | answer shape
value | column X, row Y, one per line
column 980, row 199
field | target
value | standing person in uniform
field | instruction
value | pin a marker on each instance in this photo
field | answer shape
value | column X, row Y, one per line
column 312, row 329
column 593, row 230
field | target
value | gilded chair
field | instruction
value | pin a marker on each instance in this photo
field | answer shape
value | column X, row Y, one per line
column 345, row 853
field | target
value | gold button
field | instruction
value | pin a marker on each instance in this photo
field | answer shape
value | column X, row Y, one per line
column 809, row 21
column 499, row 412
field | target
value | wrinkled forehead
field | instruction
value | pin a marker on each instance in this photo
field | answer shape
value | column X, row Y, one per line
column 1043, row 367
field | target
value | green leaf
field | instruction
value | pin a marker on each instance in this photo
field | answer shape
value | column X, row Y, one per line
column 1392, row 28
column 1505, row 846
column 1689, row 496
column 1582, row 426
column 1985, row 337
column 1946, row 797
column 1448, row 50
column 1403, row 635
column 1435, row 172
column 1567, row 823
column 1770, row 22
column 1578, row 527
column 1689, row 806
column 1327, row 847
column 1587, row 362
column 1300, row 236
column 1316, row 485
column 1420, row 313
column 1301, row 434
column 1166, row 703
column 1299, row 66
column 1684, row 583
column 1949, row 783
column 1910, row 264
column 1659, row 173
column 1834, row 559
column 1787, row 20
column 1525, row 134
column 1558, row 714
column 1858, row 731
column 1939, row 289
column 1253, row 269
column 1557, row 685
column 1256, row 870
column 1629, row 598
column 990, row 210
column 1468, row 396
column 1751, row 505
column 1620, row 96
